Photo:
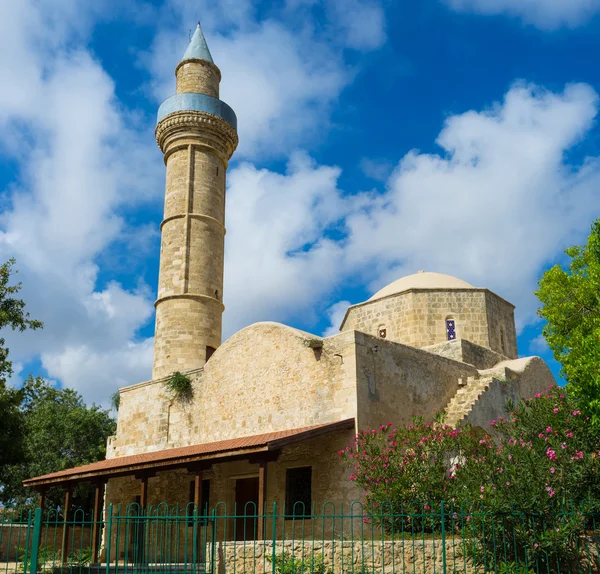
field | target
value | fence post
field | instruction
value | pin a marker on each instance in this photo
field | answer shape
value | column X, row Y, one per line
column 109, row 520
column 35, row 542
column 274, row 536
column 443, row 537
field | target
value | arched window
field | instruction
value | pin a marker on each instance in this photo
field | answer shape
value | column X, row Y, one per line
column 450, row 329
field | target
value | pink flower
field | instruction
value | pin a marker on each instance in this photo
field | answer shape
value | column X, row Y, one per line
column 548, row 429
column 538, row 395
column 507, row 483
column 552, row 470
column 493, row 423
column 481, row 496
column 551, row 454
column 555, row 411
column 575, row 413
column 482, row 489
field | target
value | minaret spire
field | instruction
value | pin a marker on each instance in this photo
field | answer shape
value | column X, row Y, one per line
column 198, row 48
column 197, row 134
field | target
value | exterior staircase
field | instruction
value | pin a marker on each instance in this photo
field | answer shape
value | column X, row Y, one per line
column 464, row 400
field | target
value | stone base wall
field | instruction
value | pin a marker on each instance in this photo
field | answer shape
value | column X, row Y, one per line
column 359, row 557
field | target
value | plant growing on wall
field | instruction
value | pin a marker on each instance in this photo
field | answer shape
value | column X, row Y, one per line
column 180, row 387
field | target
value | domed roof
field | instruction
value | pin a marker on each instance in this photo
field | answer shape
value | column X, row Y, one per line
column 422, row 280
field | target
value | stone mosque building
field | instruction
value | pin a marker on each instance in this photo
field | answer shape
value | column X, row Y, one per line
column 272, row 405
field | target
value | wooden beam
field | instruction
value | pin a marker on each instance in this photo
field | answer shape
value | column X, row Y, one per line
column 198, row 492
column 262, row 497
column 42, row 501
column 143, row 493
column 98, row 499
column 65, row 533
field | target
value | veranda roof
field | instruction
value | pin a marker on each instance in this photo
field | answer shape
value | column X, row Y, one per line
column 187, row 455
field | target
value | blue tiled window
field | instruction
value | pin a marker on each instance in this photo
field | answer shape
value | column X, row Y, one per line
column 451, row 329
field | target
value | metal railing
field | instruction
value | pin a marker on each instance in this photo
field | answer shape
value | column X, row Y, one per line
column 417, row 539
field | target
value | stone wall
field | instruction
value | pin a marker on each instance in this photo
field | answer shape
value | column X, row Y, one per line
column 467, row 352
column 501, row 325
column 418, row 317
column 265, row 378
column 375, row 557
column 198, row 76
column 518, row 379
column 394, row 381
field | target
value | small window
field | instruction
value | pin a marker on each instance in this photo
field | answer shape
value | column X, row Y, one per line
column 298, row 491
column 451, row 329
column 209, row 352
column 382, row 331
column 502, row 340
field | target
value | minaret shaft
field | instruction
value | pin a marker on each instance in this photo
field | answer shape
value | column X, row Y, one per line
column 197, row 136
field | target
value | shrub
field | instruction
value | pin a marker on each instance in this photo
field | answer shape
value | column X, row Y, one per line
column 180, row 387
column 537, row 482
column 287, row 563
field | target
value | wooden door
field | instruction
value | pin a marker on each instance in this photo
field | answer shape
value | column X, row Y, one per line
column 246, row 504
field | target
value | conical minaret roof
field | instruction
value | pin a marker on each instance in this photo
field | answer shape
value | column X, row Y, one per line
column 198, row 48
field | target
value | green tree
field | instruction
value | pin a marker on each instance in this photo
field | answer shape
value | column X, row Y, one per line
column 13, row 316
column 61, row 431
column 571, row 307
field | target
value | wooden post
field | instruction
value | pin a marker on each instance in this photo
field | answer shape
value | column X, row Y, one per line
column 65, row 534
column 262, row 496
column 141, row 530
column 99, row 487
column 143, row 494
column 198, row 492
column 42, row 502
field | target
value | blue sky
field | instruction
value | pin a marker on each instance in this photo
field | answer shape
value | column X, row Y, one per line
column 377, row 138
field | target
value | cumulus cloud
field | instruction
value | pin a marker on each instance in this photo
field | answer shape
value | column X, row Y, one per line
column 281, row 74
column 278, row 258
column 74, row 148
column 335, row 316
column 497, row 205
column 494, row 207
column 545, row 14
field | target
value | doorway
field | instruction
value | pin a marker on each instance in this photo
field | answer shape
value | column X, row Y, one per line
column 246, row 504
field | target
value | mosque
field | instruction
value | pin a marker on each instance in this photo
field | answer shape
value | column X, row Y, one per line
column 272, row 406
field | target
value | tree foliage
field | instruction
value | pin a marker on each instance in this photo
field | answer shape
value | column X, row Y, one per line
column 61, row 431
column 543, row 458
column 13, row 316
column 570, row 301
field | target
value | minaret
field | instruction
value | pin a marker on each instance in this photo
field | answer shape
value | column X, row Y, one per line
column 197, row 135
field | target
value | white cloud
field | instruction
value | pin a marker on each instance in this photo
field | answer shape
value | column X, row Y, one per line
column 538, row 345
column 277, row 259
column 282, row 74
column 545, row 14
column 494, row 208
column 335, row 316
column 75, row 149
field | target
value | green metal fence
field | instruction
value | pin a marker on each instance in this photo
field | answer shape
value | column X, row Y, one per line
column 333, row 539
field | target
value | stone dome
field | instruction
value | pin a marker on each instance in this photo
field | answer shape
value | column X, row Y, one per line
column 422, row 280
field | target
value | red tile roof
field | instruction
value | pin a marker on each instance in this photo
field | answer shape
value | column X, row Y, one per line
column 174, row 457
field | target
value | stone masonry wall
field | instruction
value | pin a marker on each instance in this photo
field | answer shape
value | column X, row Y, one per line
column 467, row 352
column 190, row 288
column 418, row 317
column 265, row 378
column 394, row 381
column 330, row 482
column 198, row 76
column 501, row 326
